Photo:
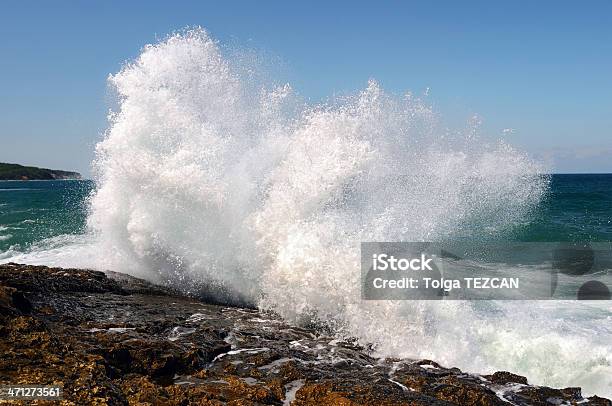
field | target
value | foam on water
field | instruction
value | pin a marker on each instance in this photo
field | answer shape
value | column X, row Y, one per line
column 207, row 176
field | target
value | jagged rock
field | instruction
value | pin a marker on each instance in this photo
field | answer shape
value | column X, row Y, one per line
column 117, row 340
column 504, row 377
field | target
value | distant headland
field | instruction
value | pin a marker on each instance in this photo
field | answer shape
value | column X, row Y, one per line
column 20, row 172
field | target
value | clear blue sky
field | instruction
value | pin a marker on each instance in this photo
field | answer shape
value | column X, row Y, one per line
column 543, row 68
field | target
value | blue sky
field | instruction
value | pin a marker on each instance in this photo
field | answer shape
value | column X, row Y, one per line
column 542, row 68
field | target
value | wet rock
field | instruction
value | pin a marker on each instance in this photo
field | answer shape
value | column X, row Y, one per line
column 13, row 302
column 43, row 279
column 504, row 377
column 111, row 339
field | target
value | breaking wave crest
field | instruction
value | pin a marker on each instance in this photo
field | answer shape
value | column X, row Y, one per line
column 206, row 175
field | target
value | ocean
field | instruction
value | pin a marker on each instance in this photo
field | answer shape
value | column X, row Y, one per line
column 211, row 176
column 34, row 211
column 577, row 207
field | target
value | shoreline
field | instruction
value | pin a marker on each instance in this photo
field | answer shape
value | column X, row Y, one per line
column 44, row 180
column 116, row 339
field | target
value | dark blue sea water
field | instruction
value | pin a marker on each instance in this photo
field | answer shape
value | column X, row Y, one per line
column 578, row 207
column 32, row 211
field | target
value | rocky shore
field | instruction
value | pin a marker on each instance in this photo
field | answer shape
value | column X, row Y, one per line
column 117, row 340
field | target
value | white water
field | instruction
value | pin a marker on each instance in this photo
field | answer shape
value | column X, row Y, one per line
column 206, row 175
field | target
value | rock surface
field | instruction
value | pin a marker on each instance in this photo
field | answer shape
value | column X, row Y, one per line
column 117, row 340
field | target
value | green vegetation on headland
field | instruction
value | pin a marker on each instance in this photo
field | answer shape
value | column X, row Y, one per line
column 20, row 172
